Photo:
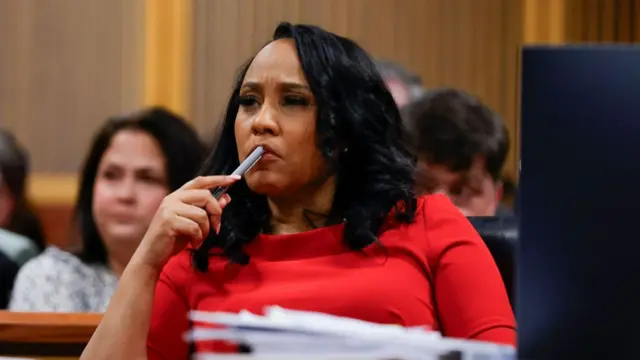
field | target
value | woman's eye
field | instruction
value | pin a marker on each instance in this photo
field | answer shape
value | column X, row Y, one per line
column 295, row 101
column 247, row 101
column 151, row 179
column 109, row 175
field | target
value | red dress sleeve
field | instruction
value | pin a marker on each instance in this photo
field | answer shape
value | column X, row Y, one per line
column 169, row 320
column 471, row 298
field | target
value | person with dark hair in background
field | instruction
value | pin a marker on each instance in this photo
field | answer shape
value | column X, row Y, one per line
column 20, row 234
column 133, row 163
column 16, row 214
column 326, row 221
column 16, row 247
column 461, row 145
column 15, row 250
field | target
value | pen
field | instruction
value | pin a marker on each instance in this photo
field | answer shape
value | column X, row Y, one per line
column 242, row 169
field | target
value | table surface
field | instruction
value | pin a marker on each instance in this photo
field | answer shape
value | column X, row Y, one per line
column 45, row 336
column 47, row 327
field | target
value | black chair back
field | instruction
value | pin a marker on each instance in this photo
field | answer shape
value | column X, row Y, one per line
column 500, row 234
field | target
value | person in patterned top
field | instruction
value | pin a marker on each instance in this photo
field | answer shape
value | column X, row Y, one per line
column 133, row 163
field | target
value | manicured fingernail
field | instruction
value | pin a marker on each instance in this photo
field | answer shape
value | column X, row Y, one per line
column 235, row 177
column 218, row 229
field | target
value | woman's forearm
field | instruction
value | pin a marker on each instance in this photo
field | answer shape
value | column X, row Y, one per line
column 122, row 333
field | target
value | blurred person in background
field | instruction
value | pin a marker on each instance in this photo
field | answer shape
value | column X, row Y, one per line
column 15, row 250
column 461, row 145
column 404, row 86
column 16, row 218
column 133, row 163
column 16, row 214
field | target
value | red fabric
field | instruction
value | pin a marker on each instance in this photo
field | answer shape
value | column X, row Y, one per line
column 435, row 272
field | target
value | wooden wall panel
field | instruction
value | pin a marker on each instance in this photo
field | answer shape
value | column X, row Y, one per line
column 65, row 66
column 470, row 44
column 609, row 21
column 168, row 25
column 545, row 21
column 574, row 21
column 56, row 220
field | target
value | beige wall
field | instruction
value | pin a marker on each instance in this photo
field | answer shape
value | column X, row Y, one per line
column 64, row 67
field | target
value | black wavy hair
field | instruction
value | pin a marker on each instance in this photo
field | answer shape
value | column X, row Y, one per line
column 178, row 141
column 354, row 111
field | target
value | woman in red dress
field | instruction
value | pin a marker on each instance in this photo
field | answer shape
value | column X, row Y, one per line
column 326, row 221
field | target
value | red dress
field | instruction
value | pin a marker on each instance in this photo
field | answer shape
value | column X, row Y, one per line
column 435, row 272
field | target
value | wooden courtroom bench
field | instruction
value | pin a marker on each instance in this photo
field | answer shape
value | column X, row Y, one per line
column 50, row 336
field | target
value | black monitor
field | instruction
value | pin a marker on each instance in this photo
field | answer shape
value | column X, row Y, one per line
column 578, row 294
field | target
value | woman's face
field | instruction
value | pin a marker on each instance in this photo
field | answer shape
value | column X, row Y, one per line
column 278, row 110
column 474, row 193
column 399, row 92
column 130, row 184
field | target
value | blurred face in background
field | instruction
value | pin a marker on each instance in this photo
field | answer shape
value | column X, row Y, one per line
column 473, row 192
column 399, row 91
column 130, row 184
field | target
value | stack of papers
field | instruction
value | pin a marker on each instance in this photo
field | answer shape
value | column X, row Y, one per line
column 288, row 334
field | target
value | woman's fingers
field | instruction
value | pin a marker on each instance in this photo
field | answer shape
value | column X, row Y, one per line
column 196, row 197
column 195, row 210
column 224, row 200
column 195, row 214
column 205, row 200
column 210, row 182
column 216, row 219
column 207, row 216
column 185, row 216
column 185, row 228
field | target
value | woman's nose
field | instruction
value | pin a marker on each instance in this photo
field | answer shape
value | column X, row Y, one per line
column 125, row 190
column 265, row 121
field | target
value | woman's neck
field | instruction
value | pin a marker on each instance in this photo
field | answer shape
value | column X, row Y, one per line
column 119, row 258
column 309, row 210
column 117, row 267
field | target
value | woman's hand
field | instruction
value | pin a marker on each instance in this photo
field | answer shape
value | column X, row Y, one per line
column 184, row 216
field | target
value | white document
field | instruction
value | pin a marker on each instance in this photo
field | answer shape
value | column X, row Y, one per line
column 283, row 333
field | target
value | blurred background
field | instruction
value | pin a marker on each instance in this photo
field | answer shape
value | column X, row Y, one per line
column 65, row 66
